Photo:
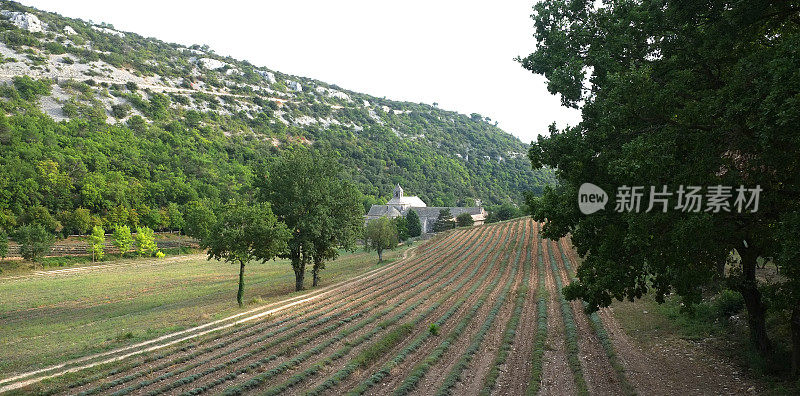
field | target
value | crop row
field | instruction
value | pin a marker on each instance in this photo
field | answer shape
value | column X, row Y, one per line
column 599, row 329
column 510, row 329
column 419, row 340
column 534, row 383
column 422, row 368
column 570, row 331
column 455, row 373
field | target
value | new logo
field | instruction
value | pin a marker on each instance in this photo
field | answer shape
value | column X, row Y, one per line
column 591, row 198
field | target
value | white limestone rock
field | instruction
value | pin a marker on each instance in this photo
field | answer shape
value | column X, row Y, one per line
column 108, row 31
column 69, row 31
column 212, row 64
column 269, row 76
column 24, row 20
column 294, row 86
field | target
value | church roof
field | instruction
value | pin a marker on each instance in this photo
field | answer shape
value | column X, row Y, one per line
column 412, row 201
column 433, row 212
column 383, row 210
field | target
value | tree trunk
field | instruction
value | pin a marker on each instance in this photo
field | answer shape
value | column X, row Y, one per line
column 240, row 294
column 315, row 272
column 299, row 267
column 299, row 275
column 756, row 311
column 796, row 339
column 380, row 255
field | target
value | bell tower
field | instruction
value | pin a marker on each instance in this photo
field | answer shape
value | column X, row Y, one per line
column 398, row 192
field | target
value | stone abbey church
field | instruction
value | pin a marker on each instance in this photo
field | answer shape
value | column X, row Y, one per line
column 399, row 205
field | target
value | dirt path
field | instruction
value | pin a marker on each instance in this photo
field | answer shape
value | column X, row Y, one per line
column 101, row 267
column 674, row 366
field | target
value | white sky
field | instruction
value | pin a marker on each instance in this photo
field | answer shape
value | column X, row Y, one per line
column 457, row 53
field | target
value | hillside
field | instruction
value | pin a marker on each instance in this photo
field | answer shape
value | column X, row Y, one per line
column 118, row 123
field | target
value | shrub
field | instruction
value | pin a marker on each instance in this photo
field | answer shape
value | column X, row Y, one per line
column 727, row 303
column 30, row 89
column 434, row 329
column 120, row 110
column 465, row 220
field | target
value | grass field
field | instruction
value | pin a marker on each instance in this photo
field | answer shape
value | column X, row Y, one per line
column 47, row 319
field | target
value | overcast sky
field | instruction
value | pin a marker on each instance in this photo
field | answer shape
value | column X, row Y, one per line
column 457, row 53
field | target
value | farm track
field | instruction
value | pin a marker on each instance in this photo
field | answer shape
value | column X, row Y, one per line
column 494, row 291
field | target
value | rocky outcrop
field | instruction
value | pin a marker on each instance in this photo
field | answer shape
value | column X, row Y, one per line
column 268, row 76
column 69, row 31
column 24, row 20
column 106, row 30
column 212, row 64
column 294, row 86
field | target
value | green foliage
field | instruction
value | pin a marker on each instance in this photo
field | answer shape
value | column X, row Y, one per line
column 96, row 241
column 29, row 89
column 80, row 221
column 308, row 193
column 728, row 303
column 199, row 220
column 464, row 220
column 34, row 241
column 175, row 216
column 444, row 222
column 245, row 232
column 413, row 223
column 503, row 212
column 434, row 329
column 380, row 234
column 123, row 239
column 401, row 224
column 120, row 110
column 39, row 215
column 145, row 242
column 652, row 115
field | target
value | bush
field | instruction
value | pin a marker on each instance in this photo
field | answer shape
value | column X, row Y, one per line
column 30, row 89
column 434, row 329
column 120, row 110
column 464, row 220
column 727, row 303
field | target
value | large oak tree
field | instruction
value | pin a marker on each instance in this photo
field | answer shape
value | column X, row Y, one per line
column 675, row 93
column 321, row 208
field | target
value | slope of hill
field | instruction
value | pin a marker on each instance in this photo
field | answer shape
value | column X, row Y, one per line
column 123, row 125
